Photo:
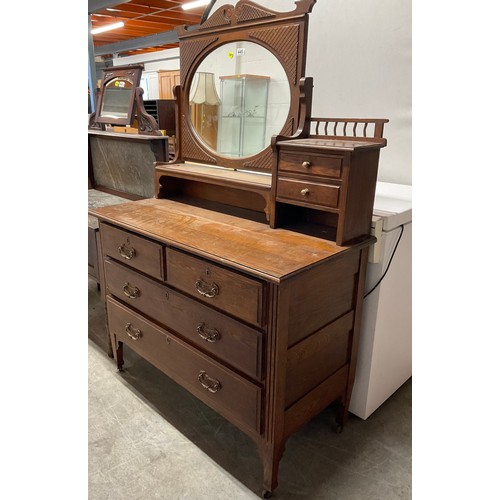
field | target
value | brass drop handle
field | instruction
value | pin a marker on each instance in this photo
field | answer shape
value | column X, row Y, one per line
column 133, row 332
column 209, row 290
column 126, row 252
column 207, row 334
column 304, row 192
column 209, row 383
column 306, row 164
column 132, row 292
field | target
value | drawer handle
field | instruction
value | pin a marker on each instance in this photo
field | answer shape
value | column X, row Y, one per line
column 126, row 252
column 305, row 192
column 133, row 332
column 209, row 383
column 132, row 292
column 209, row 290
column 207, row 334
column 306, row 164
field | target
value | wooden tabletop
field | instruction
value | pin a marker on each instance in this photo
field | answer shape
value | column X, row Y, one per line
column 239, row 243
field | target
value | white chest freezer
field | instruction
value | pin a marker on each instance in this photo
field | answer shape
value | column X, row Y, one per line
column 384, row 355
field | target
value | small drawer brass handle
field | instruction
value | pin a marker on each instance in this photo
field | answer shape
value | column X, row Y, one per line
column 304, row 192
column 209, row 290
column 207, row 334
column 126, row 252
column 209, row 383
column 132, row 292
column 133, row 332
column 306, row 164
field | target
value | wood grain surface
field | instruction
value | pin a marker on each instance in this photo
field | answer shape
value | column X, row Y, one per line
column 253, row 247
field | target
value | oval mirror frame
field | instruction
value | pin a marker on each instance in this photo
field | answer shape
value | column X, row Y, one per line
column 239, row 97
column 283, row 34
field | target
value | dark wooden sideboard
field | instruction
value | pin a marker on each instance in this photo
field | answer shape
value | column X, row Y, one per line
column 243, row 278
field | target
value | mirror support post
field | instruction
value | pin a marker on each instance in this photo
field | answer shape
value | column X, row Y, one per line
column 92, row 71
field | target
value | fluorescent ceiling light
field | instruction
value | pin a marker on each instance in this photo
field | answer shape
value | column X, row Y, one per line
column 107, row 28
column 193, row 5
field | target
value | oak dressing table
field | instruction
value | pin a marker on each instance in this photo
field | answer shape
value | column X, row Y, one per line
column 243, row 278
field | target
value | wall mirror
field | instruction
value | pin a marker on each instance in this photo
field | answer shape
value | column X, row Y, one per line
column 116, row 96
column 116, row 100
column 241, row 72
column 239, row 97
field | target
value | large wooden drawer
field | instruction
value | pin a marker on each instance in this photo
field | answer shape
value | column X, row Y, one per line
column 231, row 395
column 229, row 340
column 134, row 250
column 311, row 164
column 228, row 290
column 309, row 193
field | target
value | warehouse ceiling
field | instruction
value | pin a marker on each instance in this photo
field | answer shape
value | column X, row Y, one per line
column 148, row 25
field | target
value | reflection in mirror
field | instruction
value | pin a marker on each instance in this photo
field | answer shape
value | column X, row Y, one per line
column 239, row 98
column 204, row 107
column 116, row 98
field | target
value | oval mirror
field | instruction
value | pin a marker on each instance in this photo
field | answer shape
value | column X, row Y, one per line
column 239, row 98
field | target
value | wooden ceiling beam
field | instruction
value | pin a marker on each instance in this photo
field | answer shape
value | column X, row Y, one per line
column 139, row 23
column 167, row 37
column 130, row 11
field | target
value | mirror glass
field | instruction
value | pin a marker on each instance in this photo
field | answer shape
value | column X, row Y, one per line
column 239, row 98
column 116, row 98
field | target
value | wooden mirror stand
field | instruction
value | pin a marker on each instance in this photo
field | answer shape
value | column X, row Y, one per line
column 120, row 102
column 290, row 182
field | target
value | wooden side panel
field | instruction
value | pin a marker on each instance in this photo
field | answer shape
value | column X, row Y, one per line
column 313, row 360
column 356, row 215
column 302, row 411
column 322, row 295
column 93, row 254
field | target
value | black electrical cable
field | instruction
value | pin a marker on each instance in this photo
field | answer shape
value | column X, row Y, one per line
column 389, row 264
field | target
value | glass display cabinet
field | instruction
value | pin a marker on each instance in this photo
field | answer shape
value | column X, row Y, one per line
column 243, row 114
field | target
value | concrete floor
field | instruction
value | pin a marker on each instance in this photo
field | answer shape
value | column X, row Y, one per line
column 149, row 438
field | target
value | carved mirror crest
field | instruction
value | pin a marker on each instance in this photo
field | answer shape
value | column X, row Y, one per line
column 240, row 75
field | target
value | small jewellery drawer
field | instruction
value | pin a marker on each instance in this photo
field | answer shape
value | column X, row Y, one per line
column 311, row 164
column 227, row 290
column 133, row 250
column 231, row 395
column 326, row 195
column 229, row 340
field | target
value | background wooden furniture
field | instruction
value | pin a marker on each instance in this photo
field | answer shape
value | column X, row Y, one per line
column 261, row 323
column 120, row 164
column 167, row 80
column 163, row 111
